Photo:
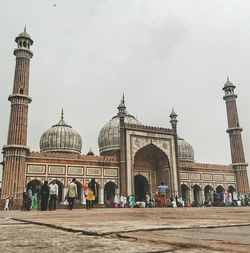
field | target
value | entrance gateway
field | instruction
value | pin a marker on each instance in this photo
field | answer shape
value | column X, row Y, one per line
column 151, row 167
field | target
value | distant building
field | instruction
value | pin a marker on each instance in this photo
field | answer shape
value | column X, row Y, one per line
column 134, row 158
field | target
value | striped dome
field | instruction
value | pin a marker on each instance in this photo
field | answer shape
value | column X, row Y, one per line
column 185, row 151
column 109, row 136
column 61, row 137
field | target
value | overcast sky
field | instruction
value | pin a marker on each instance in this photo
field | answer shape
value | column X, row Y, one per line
column 160, row 53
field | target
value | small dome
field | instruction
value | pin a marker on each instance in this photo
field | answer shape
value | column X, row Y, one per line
column 61, row 137
column 109, row 136
column 90, row 152
column 185, row 151
column 24, row 34
column 228, row 84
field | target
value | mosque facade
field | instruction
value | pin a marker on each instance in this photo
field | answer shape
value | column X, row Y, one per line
column 134, row 158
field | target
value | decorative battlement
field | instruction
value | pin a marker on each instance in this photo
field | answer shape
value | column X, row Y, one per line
column 71, row 156
column 192, row 165
column 149, row 128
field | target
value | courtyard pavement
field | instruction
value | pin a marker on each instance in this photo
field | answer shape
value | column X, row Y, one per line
column 212, row 229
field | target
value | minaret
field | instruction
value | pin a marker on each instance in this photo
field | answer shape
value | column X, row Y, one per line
column 173, row 122
column 123, row 174
column 234, row 131
column 16, row 150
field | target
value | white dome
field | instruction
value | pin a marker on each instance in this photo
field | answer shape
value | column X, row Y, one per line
column 185, row 151
column 61, row 138
column 109, row 136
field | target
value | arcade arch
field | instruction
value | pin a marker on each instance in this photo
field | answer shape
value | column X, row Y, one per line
column 185, row 193
column 109, row 191
column 208, row 193
column 35, row 186
column 220, row 189
column 231, row 189
column 197, row 193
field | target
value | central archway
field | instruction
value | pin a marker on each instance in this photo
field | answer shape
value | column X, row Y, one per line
column 141, row 187
column 151, row 162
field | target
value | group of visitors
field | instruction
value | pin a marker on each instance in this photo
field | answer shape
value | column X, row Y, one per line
column 46, row 197
column 160, row 199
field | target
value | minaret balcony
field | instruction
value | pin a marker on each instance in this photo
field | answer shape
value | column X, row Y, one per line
column 234, row 130
column 19, row 99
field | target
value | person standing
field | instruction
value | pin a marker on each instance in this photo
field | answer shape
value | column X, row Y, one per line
column 91, row 194
column 72, row 193
column 148, row 200
column 53, row 194
column 29, row 199
column 44, row 196
column 133, row 202
column 11, row 203
column 124, row 201
column 121, row 201
column 6, row 207
column 34, row 205
column 163, row 194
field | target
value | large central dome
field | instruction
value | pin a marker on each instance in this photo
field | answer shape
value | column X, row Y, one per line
column 61, row 137
column 109, row 136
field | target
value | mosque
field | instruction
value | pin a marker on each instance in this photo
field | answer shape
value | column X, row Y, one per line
column 134, row 158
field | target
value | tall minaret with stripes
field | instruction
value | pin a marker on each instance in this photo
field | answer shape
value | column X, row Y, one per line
column 16, row 150
column 234, row 130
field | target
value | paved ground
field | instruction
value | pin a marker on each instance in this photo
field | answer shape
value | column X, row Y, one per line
column 127, row 230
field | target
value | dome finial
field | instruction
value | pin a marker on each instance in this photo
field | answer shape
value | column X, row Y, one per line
column 123, row 100
column 62, row 114
column 24, row 29
column 227, row 79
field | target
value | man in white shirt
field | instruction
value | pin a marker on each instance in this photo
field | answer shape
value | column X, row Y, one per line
column 53, row 195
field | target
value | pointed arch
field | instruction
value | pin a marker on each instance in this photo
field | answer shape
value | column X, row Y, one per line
column 208, row 193
column 109, row 191
column 197, row 194
column 152, row 160
column 185, row 193
column 220, row 188
column 34, row 185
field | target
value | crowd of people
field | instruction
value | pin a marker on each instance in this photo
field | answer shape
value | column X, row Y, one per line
column 161, row 199
column 45, row 198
